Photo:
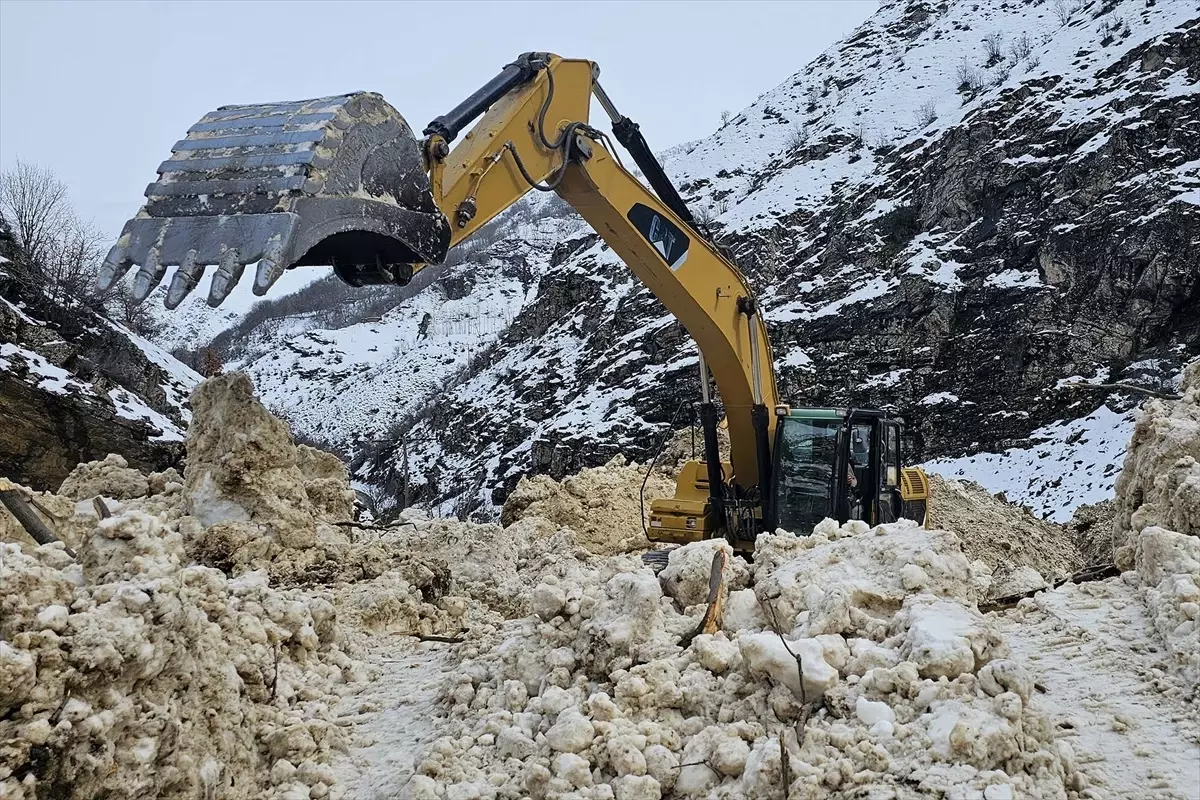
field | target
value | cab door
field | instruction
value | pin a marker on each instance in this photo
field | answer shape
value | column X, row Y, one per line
column 888, row 472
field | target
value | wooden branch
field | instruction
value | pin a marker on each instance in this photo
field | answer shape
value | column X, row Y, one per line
column 711, row 621
column 1120, row 387
column 429, row 638
column 18, row 506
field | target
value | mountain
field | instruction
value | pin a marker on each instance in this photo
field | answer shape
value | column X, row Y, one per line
column 961, row 211
column 76, row 386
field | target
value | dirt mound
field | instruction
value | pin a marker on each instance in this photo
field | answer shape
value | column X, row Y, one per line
column 601, row 505
column 1004, row 536
column 687, row 444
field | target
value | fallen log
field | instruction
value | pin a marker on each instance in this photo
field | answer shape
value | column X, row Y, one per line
column 19, row 507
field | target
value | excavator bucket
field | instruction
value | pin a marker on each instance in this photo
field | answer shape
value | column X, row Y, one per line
column 335, row 181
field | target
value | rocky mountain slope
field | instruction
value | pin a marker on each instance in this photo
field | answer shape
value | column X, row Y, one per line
column 955, row 212
column 76, row 386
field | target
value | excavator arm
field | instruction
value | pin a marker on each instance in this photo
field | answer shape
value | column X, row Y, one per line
column 336, row 181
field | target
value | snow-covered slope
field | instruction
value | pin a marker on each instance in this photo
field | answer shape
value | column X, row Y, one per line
column 77, row 386
column 949, row 213
column 347, row 386
column 194, row 324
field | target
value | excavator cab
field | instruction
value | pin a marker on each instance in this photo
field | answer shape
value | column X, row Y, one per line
column 844, row 464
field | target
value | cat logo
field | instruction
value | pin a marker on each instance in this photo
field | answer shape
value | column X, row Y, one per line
column 670, row 242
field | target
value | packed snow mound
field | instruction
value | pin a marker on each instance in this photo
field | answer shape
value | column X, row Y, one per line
column 1160, row 481
column 602, row 505
column 887, row 668
column 254, row 499
column 1006, row 537
column 243, row 466
column 110, row 477
column 490, row 563
column 1158, row 521
column 133, row 673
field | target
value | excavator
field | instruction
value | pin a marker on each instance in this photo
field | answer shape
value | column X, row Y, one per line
column 342, row 181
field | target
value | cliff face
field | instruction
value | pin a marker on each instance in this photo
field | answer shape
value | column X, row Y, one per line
column 955, row 212
column 75, row 386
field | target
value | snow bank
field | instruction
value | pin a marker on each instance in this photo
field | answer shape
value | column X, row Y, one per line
column 164, row 660
column 602, row 692
column 1158, row 520
column 134, row 673
column 1160, row 481
column 601, row 505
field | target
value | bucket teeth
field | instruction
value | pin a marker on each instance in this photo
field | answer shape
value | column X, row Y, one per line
column 148, row 276
column 115, row 265
column 225, row 278
column 270, row 269
column 185, row 280
column 307, row 183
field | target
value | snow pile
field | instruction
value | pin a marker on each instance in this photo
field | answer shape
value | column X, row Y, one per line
column 1006, row 537
column 72, row 514
column 256, row 500
column 1160, row 481
column 490, row 564
column 604, row 691
column 133, row 669
column 134, row 673
column 602, row 505
column 1158, row 519
column 110, row 477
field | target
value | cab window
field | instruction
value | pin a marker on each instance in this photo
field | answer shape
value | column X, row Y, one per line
column 891, row 452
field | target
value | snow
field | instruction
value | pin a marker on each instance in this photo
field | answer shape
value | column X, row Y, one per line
column 1070, row 463
column 1015, row 279
column 194, row 324
column 50, row 378
column 1092, row 647
column 939, row 398
column 130, row 406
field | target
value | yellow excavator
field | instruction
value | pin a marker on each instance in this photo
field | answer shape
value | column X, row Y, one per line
column 343, row 181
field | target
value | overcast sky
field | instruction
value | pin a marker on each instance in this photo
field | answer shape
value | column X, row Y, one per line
column 99, row 91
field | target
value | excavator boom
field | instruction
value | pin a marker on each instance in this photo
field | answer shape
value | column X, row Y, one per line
column 342, row 181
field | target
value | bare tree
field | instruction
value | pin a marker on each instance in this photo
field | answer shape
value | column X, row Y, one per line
column 993, row 46
column 1062, row 11
column 1021, row 47
column 73, row 262
column 35, row 202
column 63, row 249
column 927, row 113
column 136, row 316
column 725, row 117
column 797, row 137
column 210, row 363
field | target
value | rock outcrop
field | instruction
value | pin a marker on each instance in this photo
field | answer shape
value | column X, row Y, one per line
column 75, row 386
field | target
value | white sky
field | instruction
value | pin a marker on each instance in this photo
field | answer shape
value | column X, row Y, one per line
column 99, row 91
